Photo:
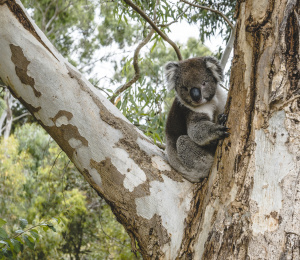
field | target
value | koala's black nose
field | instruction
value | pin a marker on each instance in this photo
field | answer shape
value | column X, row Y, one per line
column 195, row 94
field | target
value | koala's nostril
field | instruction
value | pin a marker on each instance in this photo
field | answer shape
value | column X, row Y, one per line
column 195, row 94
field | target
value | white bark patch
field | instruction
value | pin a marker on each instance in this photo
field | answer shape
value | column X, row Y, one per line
column 160, row 164
column 134, row 175
column 96, row 177
column 209, row 211
column 171, row 201
column 75, row 143
column 272, row 162
column 63, row 120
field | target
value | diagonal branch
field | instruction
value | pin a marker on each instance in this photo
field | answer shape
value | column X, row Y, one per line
column 135, row 65
column 212, row 10
column 58, row 11
column 15, row 119
column 135, row 60
column 154, row 26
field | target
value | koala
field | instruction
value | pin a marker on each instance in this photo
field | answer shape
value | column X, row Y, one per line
column 196, row 121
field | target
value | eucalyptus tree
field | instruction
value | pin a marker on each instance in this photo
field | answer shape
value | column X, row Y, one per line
column 248, row 206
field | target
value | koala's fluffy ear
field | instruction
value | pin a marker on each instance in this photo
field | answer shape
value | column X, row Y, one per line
column 215, row 67
column 170, row 70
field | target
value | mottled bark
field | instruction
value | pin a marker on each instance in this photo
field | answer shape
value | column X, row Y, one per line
column 252, row 209
column 248, row 208
column 120, row 163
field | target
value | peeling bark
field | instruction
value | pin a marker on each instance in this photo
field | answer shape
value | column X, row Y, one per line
column 248, row 208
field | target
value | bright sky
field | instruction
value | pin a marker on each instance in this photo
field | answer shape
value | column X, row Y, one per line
column 182, row 31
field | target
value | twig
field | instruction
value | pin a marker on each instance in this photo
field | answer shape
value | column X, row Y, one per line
column 223, row 87
column 135, row 65
column 25, row 231
column 103, row 58
column 135, row 61
column 154, row 26
column 176, row 20
column 49, row 174
column 15, row 119
column 56, row 14
column 212, row 10
column 63, row 191
column 19, row 117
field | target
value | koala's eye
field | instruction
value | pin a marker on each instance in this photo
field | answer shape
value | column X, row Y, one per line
column 185, row 88
column 203, row 83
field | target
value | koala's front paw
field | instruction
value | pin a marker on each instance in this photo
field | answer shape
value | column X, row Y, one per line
column 222, row 118
column 222, row 132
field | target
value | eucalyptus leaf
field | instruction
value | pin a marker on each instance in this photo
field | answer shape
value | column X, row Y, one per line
column 35, row 234
column 29, row 242
column 23, row 223
column 17, row 246
column 7, row 253
column 3, row 234
column 52, row 227
column 2, row 222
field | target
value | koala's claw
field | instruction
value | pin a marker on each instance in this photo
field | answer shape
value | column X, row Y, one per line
column 223, row 132
column 222, row 118
column 227, row 134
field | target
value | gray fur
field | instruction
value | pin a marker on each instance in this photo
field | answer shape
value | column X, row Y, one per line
column 170, row 71
column 192, row 130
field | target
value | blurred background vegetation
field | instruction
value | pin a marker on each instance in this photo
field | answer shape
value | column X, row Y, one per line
column 47, row 209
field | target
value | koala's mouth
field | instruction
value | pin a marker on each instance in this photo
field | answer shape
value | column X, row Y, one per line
column 198, row 103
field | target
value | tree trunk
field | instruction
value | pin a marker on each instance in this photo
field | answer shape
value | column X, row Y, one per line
column 248, row 207
column 253, row 207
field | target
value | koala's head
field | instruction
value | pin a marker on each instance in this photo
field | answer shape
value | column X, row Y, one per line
column 195, row 80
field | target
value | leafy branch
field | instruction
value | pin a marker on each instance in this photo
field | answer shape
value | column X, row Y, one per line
column 13, row 244
column 155, row 27
column 212, row 10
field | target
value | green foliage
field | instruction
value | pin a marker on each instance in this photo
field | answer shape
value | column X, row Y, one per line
column 24, row 236
column 70, row 26
column 45, row 204
column 116, row 27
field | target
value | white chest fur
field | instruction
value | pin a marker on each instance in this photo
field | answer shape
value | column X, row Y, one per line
column 214, row 107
